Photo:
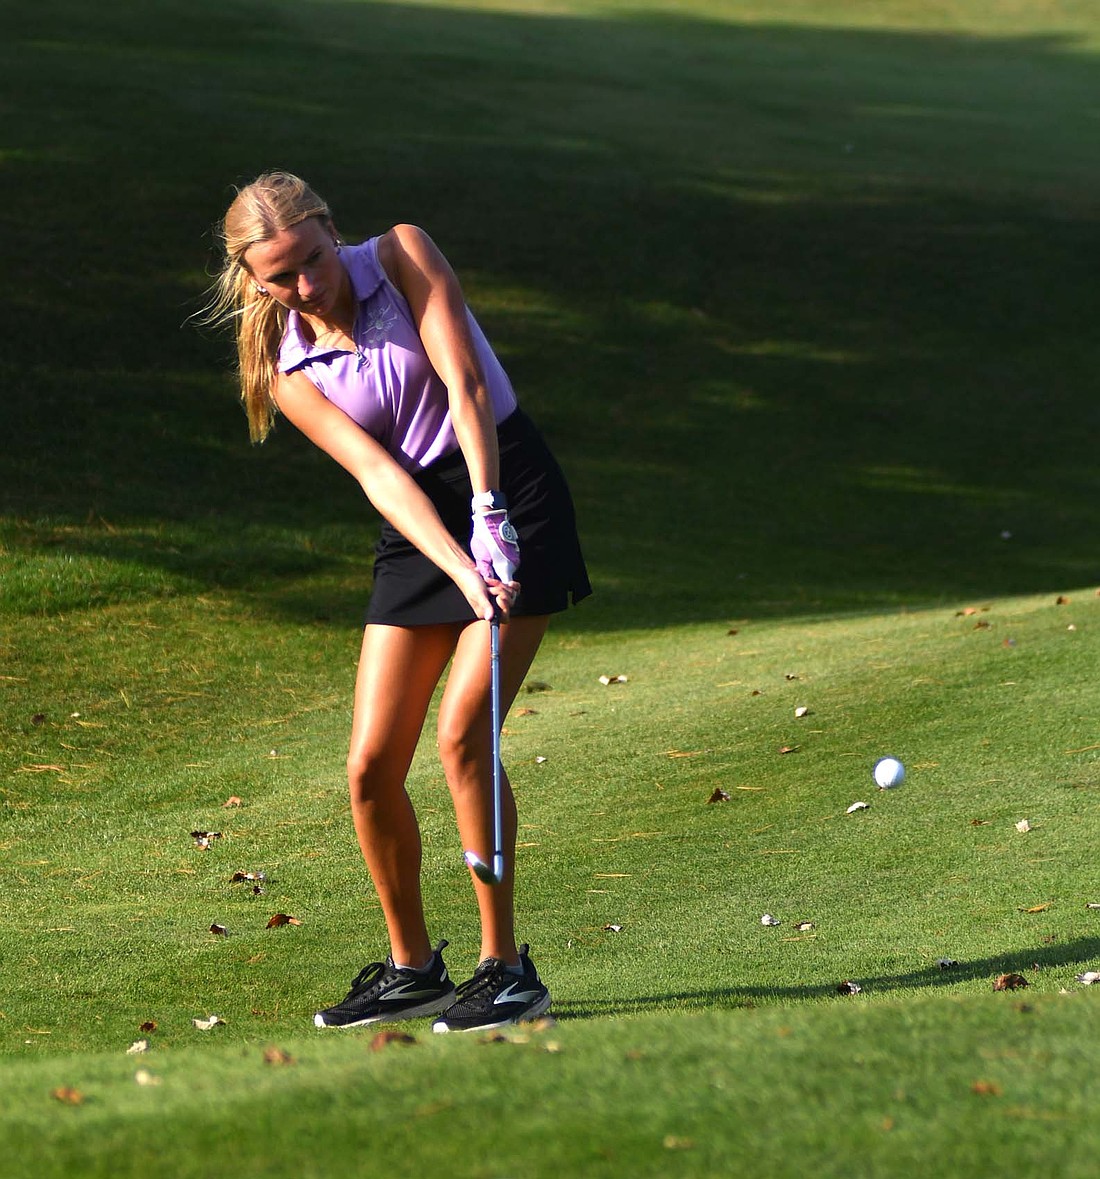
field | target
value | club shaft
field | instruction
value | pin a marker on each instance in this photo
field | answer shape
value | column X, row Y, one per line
column 494, row 703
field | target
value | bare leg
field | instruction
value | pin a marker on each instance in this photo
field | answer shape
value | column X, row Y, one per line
column 465, row 748
column 399, row 668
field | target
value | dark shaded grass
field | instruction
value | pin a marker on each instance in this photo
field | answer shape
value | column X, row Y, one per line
column 803, row 310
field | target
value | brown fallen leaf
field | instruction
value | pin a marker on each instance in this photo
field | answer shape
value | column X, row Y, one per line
column 1009, row 982
column 536, row 686
column 239, row 876
column 1035, row 908
column 525, row 712
column 219, row 930
column 983, row 624
column 68, row 1095
column 719, row 795
column 1061, row 600
column 672, row 1142
column 232, row 800
column 979, row 822
column 986, row 1089
column 203, row 839
column 39, row 718
column 788, row 749
column 282, row 919
column 150, row 1025
column 849, row 988
column 277, row 1056
column 390, row 1036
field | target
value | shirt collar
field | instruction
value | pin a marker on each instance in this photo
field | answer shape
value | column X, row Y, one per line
column 366, row 277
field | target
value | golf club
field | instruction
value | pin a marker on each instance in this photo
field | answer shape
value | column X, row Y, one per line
column 493, row 874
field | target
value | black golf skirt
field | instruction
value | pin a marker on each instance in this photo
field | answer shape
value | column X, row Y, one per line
column 409, row 590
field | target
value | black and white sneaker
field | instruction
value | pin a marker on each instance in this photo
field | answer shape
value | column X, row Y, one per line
column 496, row 997
column 382, row 992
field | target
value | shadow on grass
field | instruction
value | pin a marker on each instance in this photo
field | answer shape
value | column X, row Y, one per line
column 803, row 310
column 1052, row 957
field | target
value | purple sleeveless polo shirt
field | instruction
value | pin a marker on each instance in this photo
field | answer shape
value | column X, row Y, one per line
column 388, row 385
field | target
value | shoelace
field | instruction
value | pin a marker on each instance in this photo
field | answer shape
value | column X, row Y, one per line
column 485, row 978
column 367, row 977
column 374, row 972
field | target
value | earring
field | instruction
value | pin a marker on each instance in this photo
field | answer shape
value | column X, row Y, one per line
column 261, row 290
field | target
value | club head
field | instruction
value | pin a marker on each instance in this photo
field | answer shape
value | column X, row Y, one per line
column 481, row 869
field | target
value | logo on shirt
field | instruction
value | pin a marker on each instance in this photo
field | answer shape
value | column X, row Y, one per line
column 375, row 324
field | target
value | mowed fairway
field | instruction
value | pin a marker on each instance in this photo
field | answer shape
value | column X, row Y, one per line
column 801, row 295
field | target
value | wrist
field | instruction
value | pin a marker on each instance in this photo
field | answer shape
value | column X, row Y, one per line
column 488, row 501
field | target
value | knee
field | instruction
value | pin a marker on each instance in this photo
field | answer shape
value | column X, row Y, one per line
column 463, row 747
column 371, row 775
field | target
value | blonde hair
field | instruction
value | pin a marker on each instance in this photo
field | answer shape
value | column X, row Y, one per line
column 272, row 202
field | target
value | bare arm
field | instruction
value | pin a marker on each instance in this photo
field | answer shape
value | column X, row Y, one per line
column 419, row 270
column 386, row 484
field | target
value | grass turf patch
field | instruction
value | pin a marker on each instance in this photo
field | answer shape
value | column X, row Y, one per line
column 800, row 298
column 842, row 1091
column 639, row 892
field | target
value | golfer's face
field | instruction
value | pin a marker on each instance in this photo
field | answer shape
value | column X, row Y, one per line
column 300, row 268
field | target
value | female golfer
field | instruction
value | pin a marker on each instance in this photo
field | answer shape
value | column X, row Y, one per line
column 371, row 352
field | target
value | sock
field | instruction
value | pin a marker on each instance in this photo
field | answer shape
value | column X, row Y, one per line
column 414, row 969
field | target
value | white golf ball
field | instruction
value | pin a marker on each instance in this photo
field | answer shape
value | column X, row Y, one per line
column 889, row 772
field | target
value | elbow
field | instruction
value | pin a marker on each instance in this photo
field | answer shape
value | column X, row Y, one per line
column 470, row 391
column 384, row 488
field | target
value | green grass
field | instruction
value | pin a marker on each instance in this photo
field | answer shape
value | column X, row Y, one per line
column 801, row 295
column 648, row 1096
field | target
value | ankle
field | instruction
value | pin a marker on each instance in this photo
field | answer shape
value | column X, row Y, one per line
column 412, row 960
